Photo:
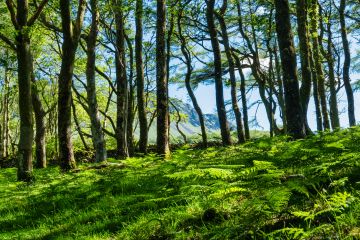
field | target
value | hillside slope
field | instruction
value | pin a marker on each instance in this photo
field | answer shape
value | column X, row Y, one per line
column 265, row 189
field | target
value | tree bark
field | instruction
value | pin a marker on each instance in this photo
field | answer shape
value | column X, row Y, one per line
column 319, row 124
column 93, row 111
column 243, row 98
column 346, row 66
column 23, row 52
column 189, row 69
column 143, row 139
column 318, row 63
column 122, row 84
column 303, row 33
column 162, row 105
column 224, row 126
column 71, row 37
column 294, row 113
column 234, row 99
column 334, row 112
column 40, row 126
column 5, row 120
column 130, row 110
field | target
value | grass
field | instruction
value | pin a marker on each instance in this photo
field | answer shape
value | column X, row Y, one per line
column 265, row 189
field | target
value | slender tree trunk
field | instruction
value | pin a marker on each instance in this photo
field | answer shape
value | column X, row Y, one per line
column 93, row 111
column 178, row 121
column 78, row 127
column 259, row 75
column 224, row 126
column 234, row 100
column 5, row 120
column 131, row 112
column 303, row 33
column 318, row 63
column 162, row 82
column 334, row 112
column 243, row 98
column 346, row 67
column 169, row 32
column 187, row 55
column 40, row 126
column 143, row 139
column 281, row 88
column 295, row 120
column 319, row 124
column 71, row 36
column 122, row 83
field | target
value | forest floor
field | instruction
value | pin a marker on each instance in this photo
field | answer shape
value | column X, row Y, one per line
column 264, row 189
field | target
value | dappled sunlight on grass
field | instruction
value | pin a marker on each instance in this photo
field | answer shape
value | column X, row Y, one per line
column 268, row 188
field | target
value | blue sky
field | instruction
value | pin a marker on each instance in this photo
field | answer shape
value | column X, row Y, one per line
column 205, row 95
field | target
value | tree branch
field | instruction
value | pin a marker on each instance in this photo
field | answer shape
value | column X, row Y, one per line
column 37, row 13
column 8, row 41
column 11, row 7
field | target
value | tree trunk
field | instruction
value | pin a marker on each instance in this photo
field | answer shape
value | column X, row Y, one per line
column 259, row 76
column 93, row 111
column 187, row 55
column 23, row 52
column 78, row 127
column 334, row 112
column 5, row 120
column 143, row 140
column 131, row 112
column 224, row 126
column 303, row 33
column 318, row 63
column 280, row 83
column 319, row 124
column 40, row 126
column 162, row 82
column 294, row 113
column 243, row 98
column 71, row 37
column 234, row 100
column 122, row 84
column 346, row 67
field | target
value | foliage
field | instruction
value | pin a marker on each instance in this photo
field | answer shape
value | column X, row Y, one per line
column 264, row 189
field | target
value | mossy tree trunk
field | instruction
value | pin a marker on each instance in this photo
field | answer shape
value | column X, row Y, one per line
column 294, row 113
column 162, row 102
column 93, row 111
column 140, row 80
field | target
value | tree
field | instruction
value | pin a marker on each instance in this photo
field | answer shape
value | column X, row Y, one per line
column 229, row 56
column 319, row 77
column 346, row 66
column 143, row 138
column 96, row 128
column 122, row 82
column 71, row 37
column 189, row 69
column 21, row 23
column 303, row 32
column 294, row 113
column 224, row 126
column 162, row 106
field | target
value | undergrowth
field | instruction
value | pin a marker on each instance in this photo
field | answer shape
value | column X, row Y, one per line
column 264, row 189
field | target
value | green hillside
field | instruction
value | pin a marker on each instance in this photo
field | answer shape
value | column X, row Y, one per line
column 265, row 189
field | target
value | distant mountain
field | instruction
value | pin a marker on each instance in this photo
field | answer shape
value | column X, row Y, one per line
column 192, row 125
column 211, row 120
